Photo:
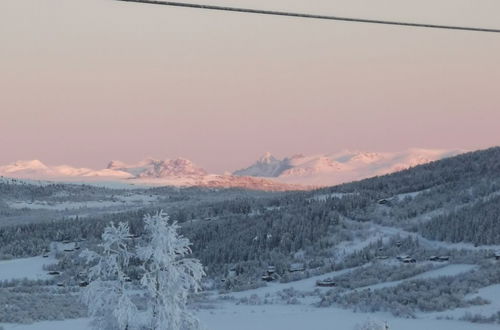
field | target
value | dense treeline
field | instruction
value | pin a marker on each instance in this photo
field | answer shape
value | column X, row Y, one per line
column 479, row 224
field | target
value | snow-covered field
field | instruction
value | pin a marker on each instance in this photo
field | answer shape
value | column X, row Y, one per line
column 490, row 293
column 450, row 270
column 283, row 317
column 29, row 268
column 117, row 202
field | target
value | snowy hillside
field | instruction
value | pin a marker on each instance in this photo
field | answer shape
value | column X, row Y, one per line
column 413, row 249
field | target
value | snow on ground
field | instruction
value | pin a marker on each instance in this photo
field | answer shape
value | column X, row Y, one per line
column 30, row 268
column 490, row 293
column 293, row 317
column 283, row 317
column 230, row 315
column 385, row 232
column 309, row 284
column 305, row 285
column 324, row 197
column 76, row 324
column 450, row 270
column 135, row 199
column 413, row 194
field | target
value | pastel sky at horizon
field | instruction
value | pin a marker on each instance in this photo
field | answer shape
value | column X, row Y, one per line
column 83, row 82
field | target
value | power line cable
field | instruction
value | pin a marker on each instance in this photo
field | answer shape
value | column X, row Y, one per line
column 313, row 16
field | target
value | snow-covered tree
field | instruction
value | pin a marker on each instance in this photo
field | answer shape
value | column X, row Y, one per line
column 169, row 274
column 107, row 298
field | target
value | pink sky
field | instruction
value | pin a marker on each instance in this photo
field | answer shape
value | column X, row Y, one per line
column 86, row 81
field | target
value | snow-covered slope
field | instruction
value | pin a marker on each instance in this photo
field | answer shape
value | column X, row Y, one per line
column 335, row 168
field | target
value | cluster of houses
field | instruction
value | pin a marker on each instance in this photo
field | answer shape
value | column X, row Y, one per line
column 407, row 259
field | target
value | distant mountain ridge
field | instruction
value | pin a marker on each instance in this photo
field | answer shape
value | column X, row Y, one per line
column 336, row 168
column 297, row 172
column 179, row 172
column 153, row 168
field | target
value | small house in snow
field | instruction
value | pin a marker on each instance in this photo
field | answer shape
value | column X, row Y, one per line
column 267, row 278
column 384, row 202
column 409, row 260
column 327, row 282
column 296, row 267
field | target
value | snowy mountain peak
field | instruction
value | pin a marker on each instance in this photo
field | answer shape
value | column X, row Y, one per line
column 287, row 173
column 340, row 167
column 25, row 168
column 265, row 166
column 115, row 165
column 267, row 158
column 155, row 168
column 171, row 167
column 34, row 164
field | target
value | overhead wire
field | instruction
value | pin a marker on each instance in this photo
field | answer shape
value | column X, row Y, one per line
column 312, row 16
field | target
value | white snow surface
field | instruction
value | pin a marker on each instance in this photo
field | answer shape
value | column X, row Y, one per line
column 133, row 199
column 450, row 270
column 29, row 268
column 282, row 317
column 229, row 315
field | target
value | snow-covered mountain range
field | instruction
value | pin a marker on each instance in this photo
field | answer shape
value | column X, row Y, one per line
column 336, row 168
column 268, row 173
column 150, row 172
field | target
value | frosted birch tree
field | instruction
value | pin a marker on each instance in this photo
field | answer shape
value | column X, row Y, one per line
column 169, row 274
column 107, row 298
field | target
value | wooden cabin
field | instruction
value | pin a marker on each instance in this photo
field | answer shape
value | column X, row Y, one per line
column 409, row 260
column 267, row 278
column 327, row 282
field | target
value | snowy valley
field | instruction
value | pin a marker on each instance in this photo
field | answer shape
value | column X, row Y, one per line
column 419, row 248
